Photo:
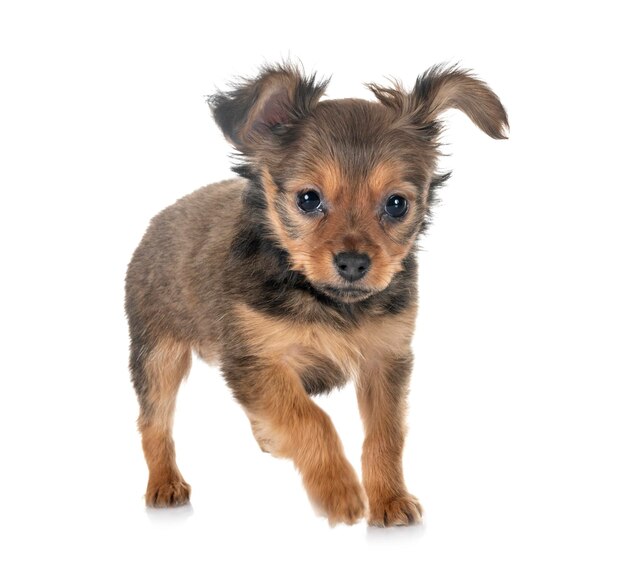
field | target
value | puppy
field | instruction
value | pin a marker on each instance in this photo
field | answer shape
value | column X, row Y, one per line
column 299, row 276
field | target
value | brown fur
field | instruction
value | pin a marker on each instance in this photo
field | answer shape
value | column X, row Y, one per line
column 166, row 366
column 239, row 273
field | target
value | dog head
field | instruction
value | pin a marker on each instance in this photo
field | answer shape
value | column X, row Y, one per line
column 347, row 184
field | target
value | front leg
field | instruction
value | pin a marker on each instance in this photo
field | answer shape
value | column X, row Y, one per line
column 381, row 392
column 287, row 423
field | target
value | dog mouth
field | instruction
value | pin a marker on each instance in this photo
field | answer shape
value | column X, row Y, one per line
column 346, row 294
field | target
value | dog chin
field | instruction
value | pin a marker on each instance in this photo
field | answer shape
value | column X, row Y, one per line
column 346, row 294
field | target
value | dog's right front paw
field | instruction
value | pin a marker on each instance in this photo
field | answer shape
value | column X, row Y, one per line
column 171, row 493
column 400, row 510
column 338, row 495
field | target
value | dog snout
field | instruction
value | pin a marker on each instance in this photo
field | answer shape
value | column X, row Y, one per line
column 352, row 266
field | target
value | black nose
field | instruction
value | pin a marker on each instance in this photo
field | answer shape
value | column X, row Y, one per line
column 352, row 266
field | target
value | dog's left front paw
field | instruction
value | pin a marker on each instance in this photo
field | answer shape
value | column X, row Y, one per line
column 400, row 510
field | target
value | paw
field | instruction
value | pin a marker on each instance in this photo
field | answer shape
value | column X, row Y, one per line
column 400, row 510
column 346, row 503
column 338, row 495
column 171, row 493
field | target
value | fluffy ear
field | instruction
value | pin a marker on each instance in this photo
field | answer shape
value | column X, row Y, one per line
column 441, row 88
column 257, row 110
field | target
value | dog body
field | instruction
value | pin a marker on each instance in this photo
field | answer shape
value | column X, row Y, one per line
column 299, row 276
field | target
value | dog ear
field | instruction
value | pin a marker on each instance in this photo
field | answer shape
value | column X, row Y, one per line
column 256, row 111
column 440, row 89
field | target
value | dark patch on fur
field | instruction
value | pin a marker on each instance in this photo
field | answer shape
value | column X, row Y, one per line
column 239, row 368
column 244, row 170
column 322, row 377
column 280, row 185
column 437, row 182
column 254, row 198
column 259, row 270
column 138, row 354
column 398, row 372
column 282, row 206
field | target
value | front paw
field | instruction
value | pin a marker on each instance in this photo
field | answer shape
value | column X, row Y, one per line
column 171, row 492
column 338, row 494
column 400, row 510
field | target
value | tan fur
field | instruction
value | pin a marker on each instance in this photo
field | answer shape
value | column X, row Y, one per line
column 383, row 417
column 288, row 424
column 167, row 366
column 297, row 344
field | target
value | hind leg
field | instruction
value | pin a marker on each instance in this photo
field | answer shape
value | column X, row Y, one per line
column 157, row 374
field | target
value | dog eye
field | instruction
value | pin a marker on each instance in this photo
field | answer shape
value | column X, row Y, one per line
column 309, row 201
column 396, row 206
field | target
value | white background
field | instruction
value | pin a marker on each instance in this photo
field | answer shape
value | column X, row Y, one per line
column 517, row 421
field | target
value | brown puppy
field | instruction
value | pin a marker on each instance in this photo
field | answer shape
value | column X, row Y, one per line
column 299, row 276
